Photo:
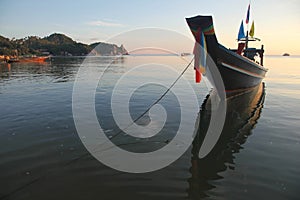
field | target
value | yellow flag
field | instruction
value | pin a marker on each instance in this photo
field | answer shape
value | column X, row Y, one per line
column 251, row 33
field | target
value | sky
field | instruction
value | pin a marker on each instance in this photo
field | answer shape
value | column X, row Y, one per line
column 276, row 21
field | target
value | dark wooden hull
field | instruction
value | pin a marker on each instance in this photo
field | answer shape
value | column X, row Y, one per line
column 238, row 72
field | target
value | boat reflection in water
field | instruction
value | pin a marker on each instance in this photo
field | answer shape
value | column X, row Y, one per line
column 243, row 112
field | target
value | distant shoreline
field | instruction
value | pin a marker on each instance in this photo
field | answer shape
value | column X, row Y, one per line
column 56, row 45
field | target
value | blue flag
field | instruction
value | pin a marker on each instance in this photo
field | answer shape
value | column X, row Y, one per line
column 241, row 32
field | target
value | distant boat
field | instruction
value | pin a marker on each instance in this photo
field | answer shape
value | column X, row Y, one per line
column 185, row 54
column 286, row 54
column 239, row 68
column 38, row 59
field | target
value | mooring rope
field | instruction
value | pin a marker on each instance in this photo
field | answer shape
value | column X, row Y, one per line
column 156, row 102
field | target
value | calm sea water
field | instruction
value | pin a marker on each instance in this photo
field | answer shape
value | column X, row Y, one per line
column 42, row 157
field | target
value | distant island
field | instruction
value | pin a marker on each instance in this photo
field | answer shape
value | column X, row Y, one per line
column 285, row 54
column 56, row 45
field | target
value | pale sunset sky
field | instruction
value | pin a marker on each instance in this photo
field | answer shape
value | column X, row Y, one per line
column 277, row 22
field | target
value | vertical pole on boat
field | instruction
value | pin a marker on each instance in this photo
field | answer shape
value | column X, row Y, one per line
column 246, row 44
column 247, row 37
column 262, row 55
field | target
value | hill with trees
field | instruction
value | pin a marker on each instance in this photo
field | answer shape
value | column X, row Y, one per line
column 57, row 45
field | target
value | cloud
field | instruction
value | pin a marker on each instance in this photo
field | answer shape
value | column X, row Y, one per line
column 94, row 39
column 58, row 25
column 102, row 23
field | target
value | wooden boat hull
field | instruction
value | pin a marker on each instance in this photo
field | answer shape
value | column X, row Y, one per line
column 237, row 71
column 29, row 60
column 35, row 59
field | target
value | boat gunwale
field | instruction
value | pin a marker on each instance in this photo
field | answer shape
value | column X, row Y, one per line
column 236, row 68
column 243, row 58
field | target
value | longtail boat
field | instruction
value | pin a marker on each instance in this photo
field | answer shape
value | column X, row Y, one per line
column 39, row 59
column 239, row 68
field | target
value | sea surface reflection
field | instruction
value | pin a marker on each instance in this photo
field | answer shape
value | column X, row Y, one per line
column 243, row 112
column 42, row 157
